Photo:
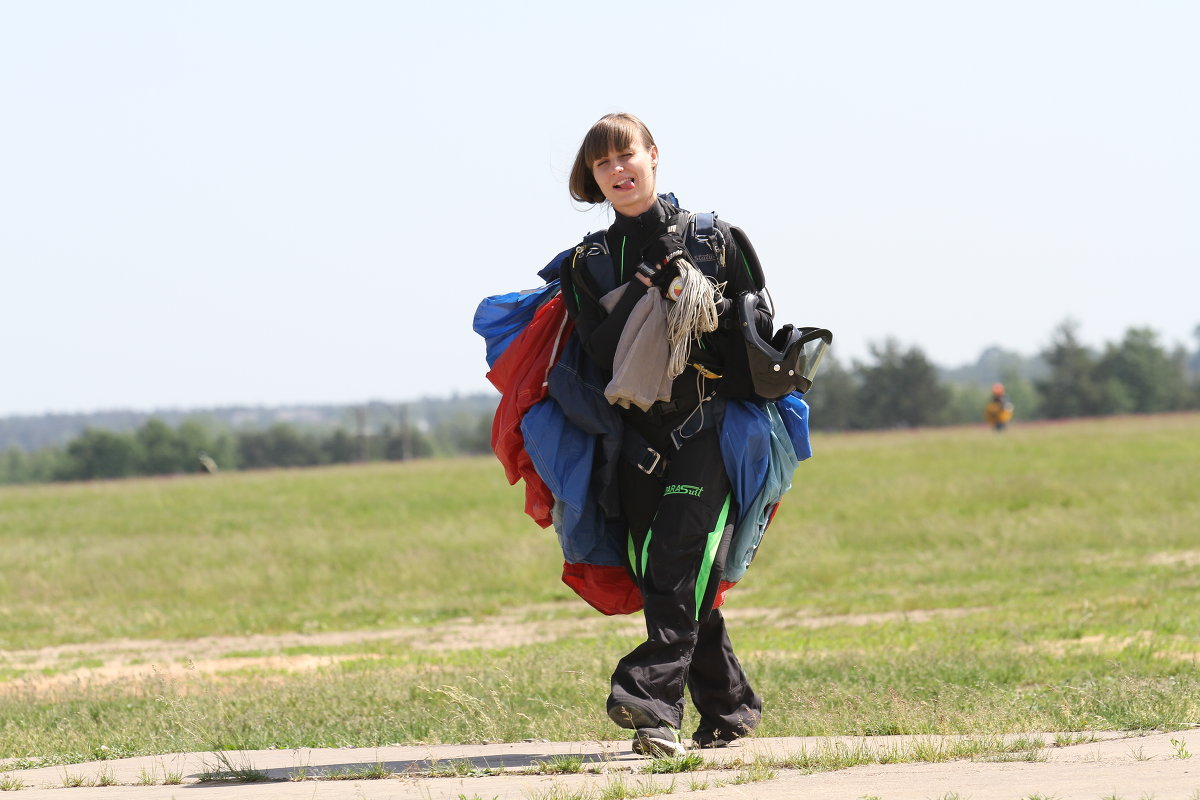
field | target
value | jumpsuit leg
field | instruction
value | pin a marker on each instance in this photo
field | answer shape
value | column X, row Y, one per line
column 729, row 707
column 679, row 531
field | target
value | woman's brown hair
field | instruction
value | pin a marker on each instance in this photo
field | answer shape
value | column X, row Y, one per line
column 611, row 132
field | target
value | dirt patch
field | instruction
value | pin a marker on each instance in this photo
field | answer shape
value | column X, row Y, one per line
column 1185, row 558
column 792, row 619
column 1158, row 645
column 41, row 684
column 47, row 669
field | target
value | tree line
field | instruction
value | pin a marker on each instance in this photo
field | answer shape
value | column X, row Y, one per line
column 895, row 387
column 196, row 446
column 898, row 387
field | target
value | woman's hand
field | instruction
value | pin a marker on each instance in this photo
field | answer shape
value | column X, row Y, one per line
column 660, row 261
column 664, row 250
column 660, row 277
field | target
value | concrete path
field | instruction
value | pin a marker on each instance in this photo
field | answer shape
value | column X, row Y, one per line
column 1111, row 767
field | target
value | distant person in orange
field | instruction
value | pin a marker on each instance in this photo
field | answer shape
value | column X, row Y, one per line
column 998, row 411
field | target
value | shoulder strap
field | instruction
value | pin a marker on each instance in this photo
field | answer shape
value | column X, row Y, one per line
column 704, row 241
column 593, row 259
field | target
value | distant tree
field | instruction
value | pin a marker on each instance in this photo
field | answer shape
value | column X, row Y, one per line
column 464, row 433
column 281, row 445
column 12, row 466
column 99, row 454
column 340, row 447
column 831, row 398
column 196, row 436
column 1071, row 389
column 901, row 389
column 401, row 444
column 18, row 466
column 965, row 405
column 161, row 452
column 993, row 362
column 1139, row 376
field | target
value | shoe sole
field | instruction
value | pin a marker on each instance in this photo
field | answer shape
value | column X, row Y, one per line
column 658, row 748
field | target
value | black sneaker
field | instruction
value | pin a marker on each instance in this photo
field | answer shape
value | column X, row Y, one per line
column 709, row 737
column 658, row 742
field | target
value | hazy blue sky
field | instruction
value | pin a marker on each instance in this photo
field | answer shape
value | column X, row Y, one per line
column 209, row 203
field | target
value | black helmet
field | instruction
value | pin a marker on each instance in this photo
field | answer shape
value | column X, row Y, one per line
column 789, row 361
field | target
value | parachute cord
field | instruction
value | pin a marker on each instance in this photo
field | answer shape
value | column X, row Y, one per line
column 562, row 326
column 678, row 436
column 693, row 314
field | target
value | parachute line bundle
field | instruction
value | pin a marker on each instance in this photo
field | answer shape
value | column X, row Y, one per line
column 693, row 314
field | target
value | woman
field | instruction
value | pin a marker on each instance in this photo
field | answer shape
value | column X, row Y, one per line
column 675, row 493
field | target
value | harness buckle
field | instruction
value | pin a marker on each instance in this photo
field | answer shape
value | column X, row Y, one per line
column 654, row 467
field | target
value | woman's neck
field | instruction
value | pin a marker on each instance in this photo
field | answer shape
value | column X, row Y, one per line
column 648, row 221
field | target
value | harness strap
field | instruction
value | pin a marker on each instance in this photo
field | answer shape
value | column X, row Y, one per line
column 705, row 244
column 638, row 451
column 691, row 426
column 598, row 262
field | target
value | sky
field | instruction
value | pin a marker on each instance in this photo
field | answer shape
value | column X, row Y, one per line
column 273, row 203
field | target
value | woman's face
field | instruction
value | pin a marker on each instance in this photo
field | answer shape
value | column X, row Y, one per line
column 626, row 177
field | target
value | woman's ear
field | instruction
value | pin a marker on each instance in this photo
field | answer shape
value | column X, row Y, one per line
column 653, row 156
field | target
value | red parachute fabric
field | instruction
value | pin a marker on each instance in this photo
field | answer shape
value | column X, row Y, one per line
column 520, row 374
column 611, row 591
column 607, row 589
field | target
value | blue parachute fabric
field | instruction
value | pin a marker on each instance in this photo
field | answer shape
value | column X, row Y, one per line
column 745, row 449
column 794, row 412
column 755, row 517
column 500, row 318
column 586, row 537
column 560, row 452
column 573, row 438
column 562, row 455
column 549, row 272
column 577, row 384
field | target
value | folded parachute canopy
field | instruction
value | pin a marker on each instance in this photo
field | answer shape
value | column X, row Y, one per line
column 520, row 374
column 499, row 319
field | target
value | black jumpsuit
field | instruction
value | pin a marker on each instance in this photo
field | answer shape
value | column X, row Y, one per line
column 679, row 522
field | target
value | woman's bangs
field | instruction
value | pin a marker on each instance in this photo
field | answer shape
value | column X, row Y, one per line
column 602, row 139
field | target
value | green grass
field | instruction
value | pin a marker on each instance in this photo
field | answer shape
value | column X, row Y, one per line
column 670, row 764
column 944, row 581
column 302, row 550
column 372, row 772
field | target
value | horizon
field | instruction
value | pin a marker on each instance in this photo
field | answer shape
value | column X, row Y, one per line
column 488, row 390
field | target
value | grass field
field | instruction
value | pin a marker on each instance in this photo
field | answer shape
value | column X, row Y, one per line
column 939, row 581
